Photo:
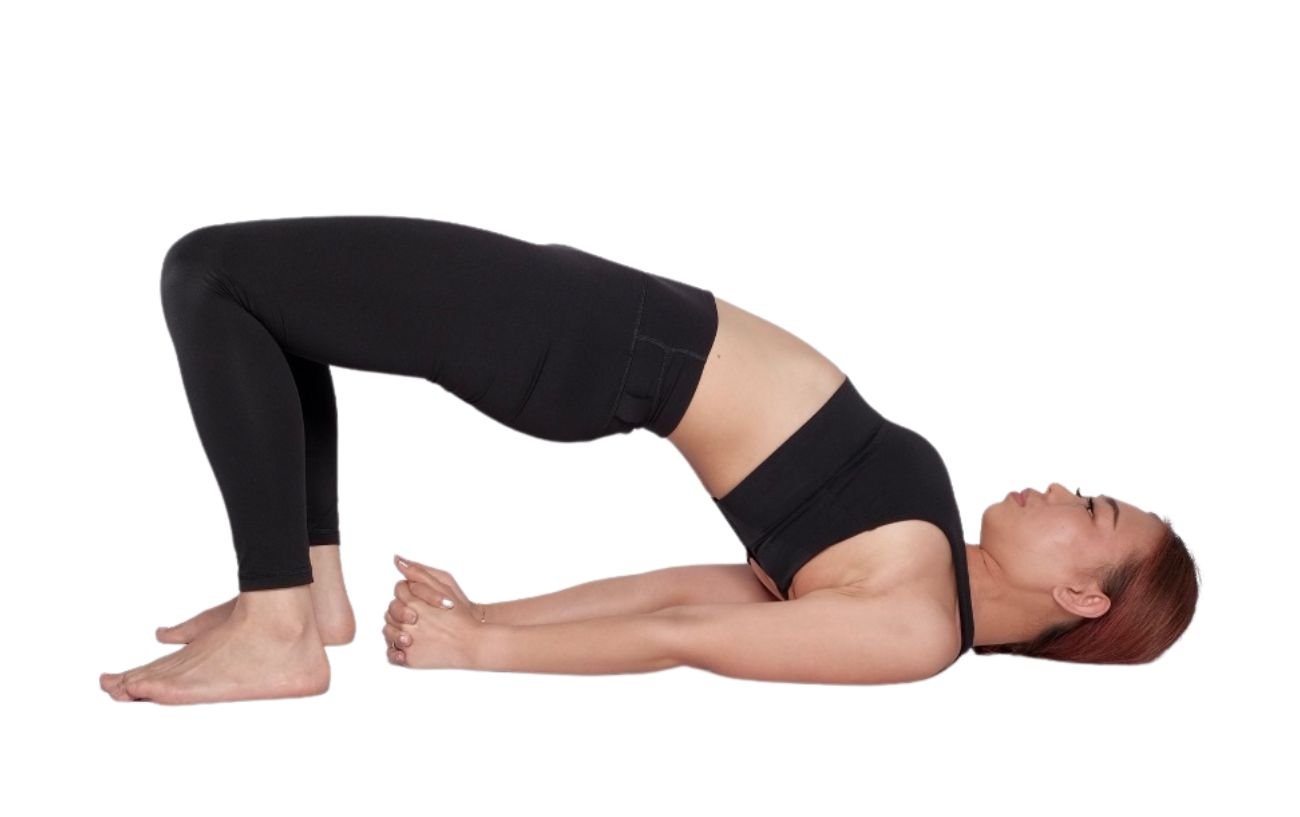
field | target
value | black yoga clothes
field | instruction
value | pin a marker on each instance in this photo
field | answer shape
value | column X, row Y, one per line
column 544, row 338
column 846, row 470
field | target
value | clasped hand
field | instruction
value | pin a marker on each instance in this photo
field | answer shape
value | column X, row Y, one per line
column 430, row 623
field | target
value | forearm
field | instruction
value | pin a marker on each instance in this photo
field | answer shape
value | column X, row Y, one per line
column 620, row 595
column 641, row 642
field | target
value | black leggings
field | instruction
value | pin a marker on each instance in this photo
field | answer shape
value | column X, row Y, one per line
column 544, row 338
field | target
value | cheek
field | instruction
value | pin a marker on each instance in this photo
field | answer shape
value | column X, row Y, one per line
column 1046, row 540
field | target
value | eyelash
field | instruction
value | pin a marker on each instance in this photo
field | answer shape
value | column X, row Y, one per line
column 1090, row 510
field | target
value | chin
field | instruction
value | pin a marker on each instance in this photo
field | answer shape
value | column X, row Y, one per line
column 990, row 519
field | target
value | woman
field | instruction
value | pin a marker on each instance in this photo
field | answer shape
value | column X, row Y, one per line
column 847, row 517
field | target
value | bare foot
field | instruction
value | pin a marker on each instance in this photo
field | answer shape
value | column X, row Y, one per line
column 334, row 619
column 187, row 631
column 267, row 647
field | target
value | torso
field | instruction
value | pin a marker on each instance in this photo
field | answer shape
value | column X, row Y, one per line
column 728, row 430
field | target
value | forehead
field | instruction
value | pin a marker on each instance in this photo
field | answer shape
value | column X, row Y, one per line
column 1135, row 522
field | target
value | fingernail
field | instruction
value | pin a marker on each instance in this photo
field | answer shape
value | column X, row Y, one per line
column 448, row 603
column 401, row 561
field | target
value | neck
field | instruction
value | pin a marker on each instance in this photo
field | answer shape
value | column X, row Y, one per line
column 1004, row 613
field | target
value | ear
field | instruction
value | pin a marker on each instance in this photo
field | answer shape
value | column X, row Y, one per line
column 1086, row 602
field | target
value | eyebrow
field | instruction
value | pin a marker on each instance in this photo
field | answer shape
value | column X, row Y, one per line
column 1115, row 506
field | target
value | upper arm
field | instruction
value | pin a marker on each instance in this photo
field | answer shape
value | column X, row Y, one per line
column 823, row 637
column 715, row 584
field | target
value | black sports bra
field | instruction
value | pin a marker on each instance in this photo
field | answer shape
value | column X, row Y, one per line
column 844, row 471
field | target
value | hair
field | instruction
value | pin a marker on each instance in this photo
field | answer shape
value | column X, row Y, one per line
column 1152, row 600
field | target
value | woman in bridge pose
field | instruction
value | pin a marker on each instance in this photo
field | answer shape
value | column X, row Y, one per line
column 857, row 568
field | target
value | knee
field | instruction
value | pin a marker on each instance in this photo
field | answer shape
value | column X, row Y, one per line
column 189, row 267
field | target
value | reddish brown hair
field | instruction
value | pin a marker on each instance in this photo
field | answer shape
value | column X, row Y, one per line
column 1152, row 600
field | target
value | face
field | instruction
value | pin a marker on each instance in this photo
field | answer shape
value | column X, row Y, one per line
column 1054, row 544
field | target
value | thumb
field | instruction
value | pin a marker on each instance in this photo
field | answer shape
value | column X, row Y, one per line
column 432, row 595
column 412, row 569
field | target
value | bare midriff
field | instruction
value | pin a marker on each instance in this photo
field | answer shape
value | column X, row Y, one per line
column 759, row 384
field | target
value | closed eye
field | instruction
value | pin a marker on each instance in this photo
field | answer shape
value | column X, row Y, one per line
column 1091, row 511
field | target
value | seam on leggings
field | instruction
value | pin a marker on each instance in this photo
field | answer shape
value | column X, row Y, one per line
column 663, row 364
column 668, row 348
column 631, row 350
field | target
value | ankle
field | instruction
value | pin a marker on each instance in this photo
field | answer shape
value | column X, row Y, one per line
column 325, row 562
column 326, row 587
column 285, row 611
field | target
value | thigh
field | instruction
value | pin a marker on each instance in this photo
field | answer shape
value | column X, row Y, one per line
column 536, row 336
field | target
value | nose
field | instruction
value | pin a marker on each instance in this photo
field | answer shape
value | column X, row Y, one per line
column 1057, row 487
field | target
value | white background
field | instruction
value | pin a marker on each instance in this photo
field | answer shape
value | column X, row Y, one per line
column 1055, row 239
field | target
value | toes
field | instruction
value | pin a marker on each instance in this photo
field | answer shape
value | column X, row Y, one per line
column 111, row 682
column 188, row 630
column 115, row 683
column 396, row 657
column 180, row 634
column 139, row 689
column 171, row 635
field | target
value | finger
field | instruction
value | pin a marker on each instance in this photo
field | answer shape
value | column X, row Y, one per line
column 400, row 612
column 436, row 573
column 420, row 573
column 403, row 562
column 443, row 581
column 434, row 590
column 409, row 566
column 394, row 635
column 436, row 596
column 403, row 593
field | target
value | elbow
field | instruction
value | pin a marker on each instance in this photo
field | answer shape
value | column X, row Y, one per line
column 673, row 636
